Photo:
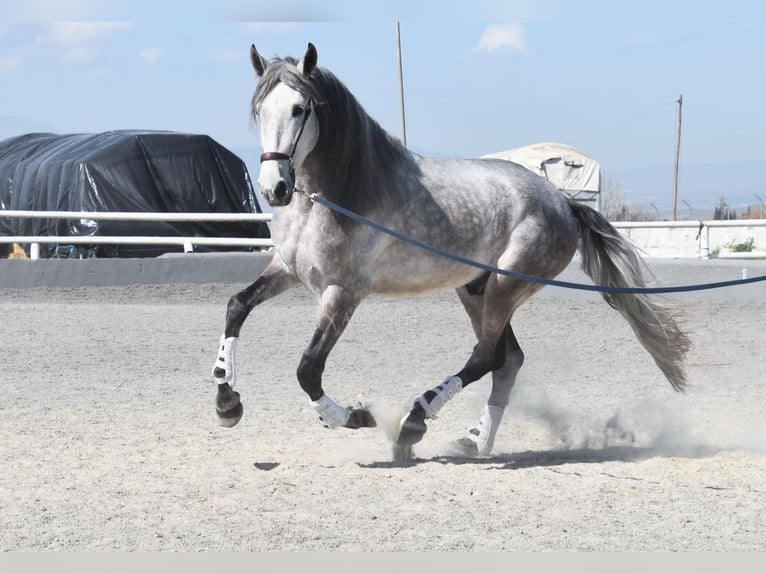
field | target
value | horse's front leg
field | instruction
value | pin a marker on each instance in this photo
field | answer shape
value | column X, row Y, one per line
column 336, row 309
column 274, row 280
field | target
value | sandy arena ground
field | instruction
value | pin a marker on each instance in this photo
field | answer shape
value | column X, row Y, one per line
column 109, row 441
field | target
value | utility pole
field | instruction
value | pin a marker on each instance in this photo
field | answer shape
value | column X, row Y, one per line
column 760, row 212
column 401, row 82
column 678, row 155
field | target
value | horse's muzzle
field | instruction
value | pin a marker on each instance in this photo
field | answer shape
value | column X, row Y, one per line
column 277, row 178
column 280, row 195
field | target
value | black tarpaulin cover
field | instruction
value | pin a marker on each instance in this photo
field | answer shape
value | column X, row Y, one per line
column 127, row 170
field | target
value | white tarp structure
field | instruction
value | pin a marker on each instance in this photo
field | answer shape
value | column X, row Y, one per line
column 569, row 169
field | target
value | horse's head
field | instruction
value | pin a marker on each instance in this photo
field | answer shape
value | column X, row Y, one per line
column 289, row 128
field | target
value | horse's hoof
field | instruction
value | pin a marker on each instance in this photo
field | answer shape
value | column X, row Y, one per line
column 228, row 407
column 360, row 418
column 231, row 417
column 402, row 452
column 413, row 427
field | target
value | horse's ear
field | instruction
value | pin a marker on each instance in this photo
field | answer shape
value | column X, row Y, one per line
column 259, row 64
column 309, row 61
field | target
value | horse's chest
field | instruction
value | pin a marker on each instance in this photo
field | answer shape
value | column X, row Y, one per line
column 311, row 270
column 314, row 264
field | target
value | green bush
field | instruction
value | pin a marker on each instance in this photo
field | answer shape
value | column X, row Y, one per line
column 745, row 247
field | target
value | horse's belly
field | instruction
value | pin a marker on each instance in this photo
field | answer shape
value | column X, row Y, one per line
column 406, row 278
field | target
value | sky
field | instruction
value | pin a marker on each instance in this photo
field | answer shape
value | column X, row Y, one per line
column 479, row 78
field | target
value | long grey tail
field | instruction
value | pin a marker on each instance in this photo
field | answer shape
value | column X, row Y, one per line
column 610, row 260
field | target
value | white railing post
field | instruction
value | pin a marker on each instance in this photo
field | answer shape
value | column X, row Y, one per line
column 34, row 251
column 705, row 239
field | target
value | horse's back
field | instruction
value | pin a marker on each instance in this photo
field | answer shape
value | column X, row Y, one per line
column 478, row 209
column 493, row 192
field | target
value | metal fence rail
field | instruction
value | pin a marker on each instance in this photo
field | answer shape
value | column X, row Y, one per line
column 703, row 229
column 188, row 243
column 137, row 240
column 134, row 216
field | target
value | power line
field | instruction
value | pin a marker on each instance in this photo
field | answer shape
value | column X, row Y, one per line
column 624, row 123
column 725, row 130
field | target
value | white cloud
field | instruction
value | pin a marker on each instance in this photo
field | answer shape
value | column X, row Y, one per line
column 78, row 55
column 79, row 33
column 509, row 37
column 51, row 10
column 642, row 41
column 228, row 55
column 270, row 28
column 80, row 40
column 151, row 55
column 10, row 62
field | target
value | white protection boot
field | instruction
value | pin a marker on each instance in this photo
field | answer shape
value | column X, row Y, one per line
column 443, row 393
column 484, row 433
column 331, row 414
column 226, row 360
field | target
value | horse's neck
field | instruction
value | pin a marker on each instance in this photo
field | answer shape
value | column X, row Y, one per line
column 359, row 168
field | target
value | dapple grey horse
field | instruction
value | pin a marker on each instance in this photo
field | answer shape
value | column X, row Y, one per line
column 319, row 140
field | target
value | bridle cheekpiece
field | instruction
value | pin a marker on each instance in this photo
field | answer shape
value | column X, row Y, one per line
column 278, row 155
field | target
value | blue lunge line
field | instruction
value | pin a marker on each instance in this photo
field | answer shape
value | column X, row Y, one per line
column 523, row 276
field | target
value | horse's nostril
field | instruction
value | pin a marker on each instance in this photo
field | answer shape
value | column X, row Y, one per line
column 280, row 191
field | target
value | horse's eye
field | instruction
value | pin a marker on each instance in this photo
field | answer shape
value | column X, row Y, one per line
column 298, row 110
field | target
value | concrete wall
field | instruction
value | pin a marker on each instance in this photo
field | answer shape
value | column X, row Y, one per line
column 177, row 268
column 658, row 240
column 695, row 239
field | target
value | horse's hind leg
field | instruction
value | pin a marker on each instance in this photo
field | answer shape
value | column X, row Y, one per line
column 502, row 296
column 488, row 355
column 503, row 379
column 274, row 280
column 480, row 439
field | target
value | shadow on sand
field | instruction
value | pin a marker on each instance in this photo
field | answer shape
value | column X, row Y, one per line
column 543, row 458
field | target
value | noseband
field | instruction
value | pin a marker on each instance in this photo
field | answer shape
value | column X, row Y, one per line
column 278, row 155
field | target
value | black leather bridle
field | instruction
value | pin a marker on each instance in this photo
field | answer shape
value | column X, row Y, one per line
column 278, row 155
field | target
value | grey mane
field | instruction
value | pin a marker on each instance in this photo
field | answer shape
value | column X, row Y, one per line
column 355, row 160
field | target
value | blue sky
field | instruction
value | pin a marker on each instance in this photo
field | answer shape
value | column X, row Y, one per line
column 479, row 77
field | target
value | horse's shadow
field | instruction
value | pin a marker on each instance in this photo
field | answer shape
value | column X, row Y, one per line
column 557, row 457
